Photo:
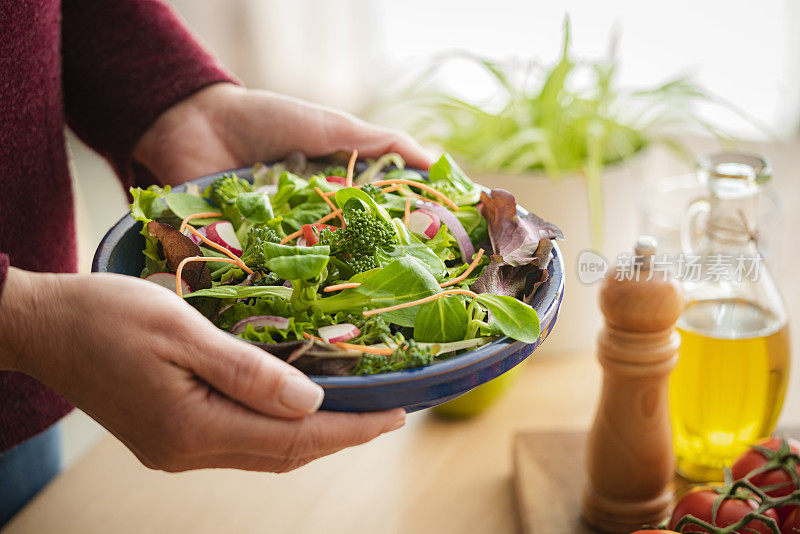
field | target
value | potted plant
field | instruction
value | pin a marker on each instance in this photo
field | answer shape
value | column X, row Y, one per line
column 570, row 144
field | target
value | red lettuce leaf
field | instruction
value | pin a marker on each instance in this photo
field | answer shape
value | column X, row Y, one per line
column 515, row 238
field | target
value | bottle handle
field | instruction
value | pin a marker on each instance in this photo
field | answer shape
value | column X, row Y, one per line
column 691, row 230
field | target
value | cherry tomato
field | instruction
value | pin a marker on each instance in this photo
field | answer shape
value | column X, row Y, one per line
column 310, row 235
column 699, row 503
column 754, row 459
column 791, row 525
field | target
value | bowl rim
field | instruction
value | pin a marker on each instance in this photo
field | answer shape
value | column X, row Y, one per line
column 554, row 289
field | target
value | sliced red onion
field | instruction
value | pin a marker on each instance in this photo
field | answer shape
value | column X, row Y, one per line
column 288, row 283
column 455, row 227
column 260, row 321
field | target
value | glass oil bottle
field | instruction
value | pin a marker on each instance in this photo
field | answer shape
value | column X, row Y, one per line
column 728, row 387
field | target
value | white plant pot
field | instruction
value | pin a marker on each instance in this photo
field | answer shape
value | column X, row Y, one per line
column 564, row 203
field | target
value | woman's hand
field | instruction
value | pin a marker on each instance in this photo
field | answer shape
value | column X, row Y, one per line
column 224, row 126
column 179, row 393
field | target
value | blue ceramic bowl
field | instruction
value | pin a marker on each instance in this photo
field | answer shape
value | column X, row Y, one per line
column 120, row 251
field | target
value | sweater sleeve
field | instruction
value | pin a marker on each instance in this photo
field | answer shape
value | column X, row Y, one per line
column 124, row 63
column 4, row 263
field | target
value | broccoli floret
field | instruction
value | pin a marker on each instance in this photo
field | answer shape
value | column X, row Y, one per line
column 364, row 233
column 375, row 192
column 408, row 356
column 362, row 264
column 225, row 189
column 253, row 253
column 362, row 236
column 374, row 329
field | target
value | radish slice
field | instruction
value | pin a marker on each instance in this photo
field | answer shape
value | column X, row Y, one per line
column 222, row 233
column 260, row 321
column 424, row 223
column 168, row 280
column 340, row 180
column 196, row 240
column 338, row 332
column 301, row 242
column 456, row 228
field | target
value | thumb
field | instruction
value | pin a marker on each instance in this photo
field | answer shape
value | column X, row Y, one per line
column 257, row 379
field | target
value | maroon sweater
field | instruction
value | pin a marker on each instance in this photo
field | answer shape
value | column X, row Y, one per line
column 107, row 68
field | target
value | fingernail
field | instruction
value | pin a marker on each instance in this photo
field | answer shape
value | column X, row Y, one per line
column 400, row 423
column 301, row 394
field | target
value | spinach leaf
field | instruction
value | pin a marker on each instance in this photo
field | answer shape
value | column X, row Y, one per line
column 404, row 174
column 307, row 213
column 255, row 207
column 184, row 204
column 296, row 263
column 242, row 292
column 411, row 245
column 403, row 280
column 474, row 223
column 346, row 193
column 442, row 320
column 443, row 244
column 512, row 317
column 446, row 176
column 288, row 183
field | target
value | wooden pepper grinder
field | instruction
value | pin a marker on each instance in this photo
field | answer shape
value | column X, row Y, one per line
column 630, row 463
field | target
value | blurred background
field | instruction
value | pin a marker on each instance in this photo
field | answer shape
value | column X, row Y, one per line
column 365, row 56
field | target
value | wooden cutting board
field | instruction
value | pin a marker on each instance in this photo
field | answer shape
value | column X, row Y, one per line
column 548, row 481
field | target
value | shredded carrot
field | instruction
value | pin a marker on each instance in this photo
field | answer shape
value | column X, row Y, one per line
column 222, row 249
column 329, row 216
column 429, row 298
column 365, row 348
column 298, row 233
column 392, row 188
column 350, row 346
column 198, row 216
column 329, row 193
column 179, row 270
column 407, row 212
column 291, row 236
column 415, row 195
column 337, row 287
column 329, row 203
column 419, row 185
column 350, row 167
column 465, row 274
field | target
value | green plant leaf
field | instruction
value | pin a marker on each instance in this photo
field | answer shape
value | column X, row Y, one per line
column 296, row 263
column 255, row 207
column 346, row 193
column 148, row 204
column 512, row 317
column 403, row 280
column 184, row 204
column 242, row 292
column 446, row 176
column 442, row 320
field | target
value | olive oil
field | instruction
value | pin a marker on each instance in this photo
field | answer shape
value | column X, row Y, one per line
column 728, row 387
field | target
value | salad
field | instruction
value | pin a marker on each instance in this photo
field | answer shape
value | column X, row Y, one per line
column 339, row 272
